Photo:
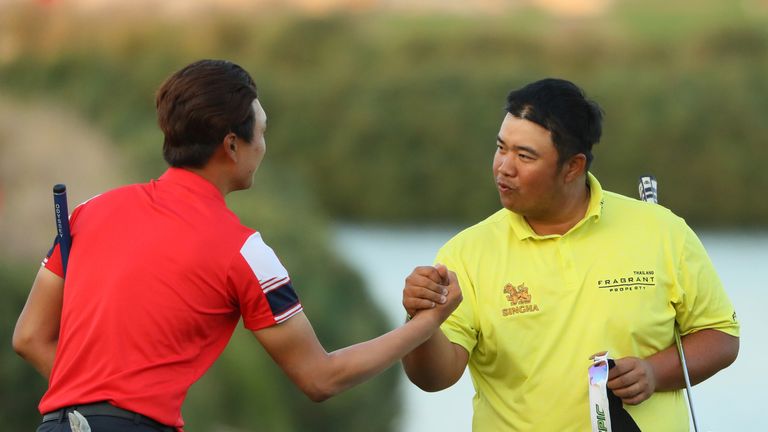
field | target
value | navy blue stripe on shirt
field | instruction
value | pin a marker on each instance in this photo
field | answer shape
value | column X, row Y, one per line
column 282, row 299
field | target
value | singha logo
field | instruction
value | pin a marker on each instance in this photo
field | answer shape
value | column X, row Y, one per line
column 517, row 294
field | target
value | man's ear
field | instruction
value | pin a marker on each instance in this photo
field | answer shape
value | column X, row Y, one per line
column 575, row 167
column 230, row 146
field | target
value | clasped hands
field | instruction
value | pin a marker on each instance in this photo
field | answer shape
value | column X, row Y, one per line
column 431, row 289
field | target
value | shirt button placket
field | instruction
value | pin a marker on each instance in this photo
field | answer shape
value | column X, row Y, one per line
column 569, row 267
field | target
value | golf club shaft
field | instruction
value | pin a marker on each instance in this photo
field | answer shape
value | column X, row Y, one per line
column 649, row 192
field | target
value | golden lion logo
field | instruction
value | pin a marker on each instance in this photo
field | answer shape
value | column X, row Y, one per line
column 517, row 294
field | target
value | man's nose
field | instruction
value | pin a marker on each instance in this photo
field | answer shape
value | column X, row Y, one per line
column 507, row 166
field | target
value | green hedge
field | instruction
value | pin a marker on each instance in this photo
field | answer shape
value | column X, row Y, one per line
column 392, row 119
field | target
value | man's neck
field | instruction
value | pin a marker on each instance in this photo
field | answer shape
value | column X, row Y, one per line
column 215, row 177
column 570, row 210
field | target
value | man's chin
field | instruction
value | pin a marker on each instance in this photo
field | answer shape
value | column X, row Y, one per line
column 511, row 206
column 244, row 185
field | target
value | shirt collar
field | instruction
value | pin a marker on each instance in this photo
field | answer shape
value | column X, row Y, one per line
column 595, row 209
column 192, row 181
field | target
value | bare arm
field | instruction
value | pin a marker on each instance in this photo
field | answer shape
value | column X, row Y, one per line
column 37, row 331
column 437, row 363
column 706, row 352
column 319, row 374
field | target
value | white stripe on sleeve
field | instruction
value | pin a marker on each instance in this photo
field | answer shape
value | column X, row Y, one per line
column 263, row 261
column 289, row 313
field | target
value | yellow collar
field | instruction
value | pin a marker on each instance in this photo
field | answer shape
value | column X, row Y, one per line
column 523, row 230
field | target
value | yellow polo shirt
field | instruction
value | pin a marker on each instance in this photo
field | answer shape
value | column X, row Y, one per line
column 536, row 307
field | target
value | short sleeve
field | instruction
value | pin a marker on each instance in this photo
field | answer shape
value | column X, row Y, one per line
column 704, row 303
column 462, row 326
column 262, row 285
column 52, row 260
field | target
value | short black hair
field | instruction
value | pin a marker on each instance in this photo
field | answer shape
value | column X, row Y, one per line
column 561, row 107
column 199, row 105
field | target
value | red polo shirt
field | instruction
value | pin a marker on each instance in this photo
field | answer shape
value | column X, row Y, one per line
column 158, row 277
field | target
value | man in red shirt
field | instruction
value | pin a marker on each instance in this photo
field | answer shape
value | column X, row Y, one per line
column 160, row 273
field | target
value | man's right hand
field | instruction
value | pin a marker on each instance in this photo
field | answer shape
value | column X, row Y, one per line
column 434, row 290
column 437, row 363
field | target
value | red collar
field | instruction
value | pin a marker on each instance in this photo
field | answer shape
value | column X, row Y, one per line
column 193, row 181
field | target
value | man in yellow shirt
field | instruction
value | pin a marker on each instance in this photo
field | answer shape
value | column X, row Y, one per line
column 566, row 270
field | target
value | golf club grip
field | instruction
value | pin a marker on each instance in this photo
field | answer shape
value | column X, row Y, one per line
column 62, row 224
column 648, row 189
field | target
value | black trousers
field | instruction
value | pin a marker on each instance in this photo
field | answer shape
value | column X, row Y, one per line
column 98, row 423
column 102, row 417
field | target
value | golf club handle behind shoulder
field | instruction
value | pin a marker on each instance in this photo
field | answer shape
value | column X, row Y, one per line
column 61, row 212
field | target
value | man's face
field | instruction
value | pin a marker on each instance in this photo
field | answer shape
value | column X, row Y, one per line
column 525, row 168
column 250, row 154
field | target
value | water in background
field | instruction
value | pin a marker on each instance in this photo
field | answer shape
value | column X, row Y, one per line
column 731, row 400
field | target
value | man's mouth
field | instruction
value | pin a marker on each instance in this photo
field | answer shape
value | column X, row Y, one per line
column 503, row 187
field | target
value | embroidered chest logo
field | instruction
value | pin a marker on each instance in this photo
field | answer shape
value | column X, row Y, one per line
column 638, row 280
column 519, row 300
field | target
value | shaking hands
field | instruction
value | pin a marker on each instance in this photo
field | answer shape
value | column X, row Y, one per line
column 431, row 290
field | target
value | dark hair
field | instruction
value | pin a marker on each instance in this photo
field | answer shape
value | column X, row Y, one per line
column 562, row 108
column 199, row 105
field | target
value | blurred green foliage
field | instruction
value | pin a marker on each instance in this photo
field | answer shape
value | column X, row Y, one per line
column 20, row 385
column 393, row 119
column 245, row 390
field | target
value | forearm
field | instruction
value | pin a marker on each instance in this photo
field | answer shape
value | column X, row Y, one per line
column 294, row 346
column 436, row 364
column 355, row 364
column 37, row 330
column 39, row 354
column 706, row 353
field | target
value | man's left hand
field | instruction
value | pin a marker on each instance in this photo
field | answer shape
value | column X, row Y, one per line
column 632, row 379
